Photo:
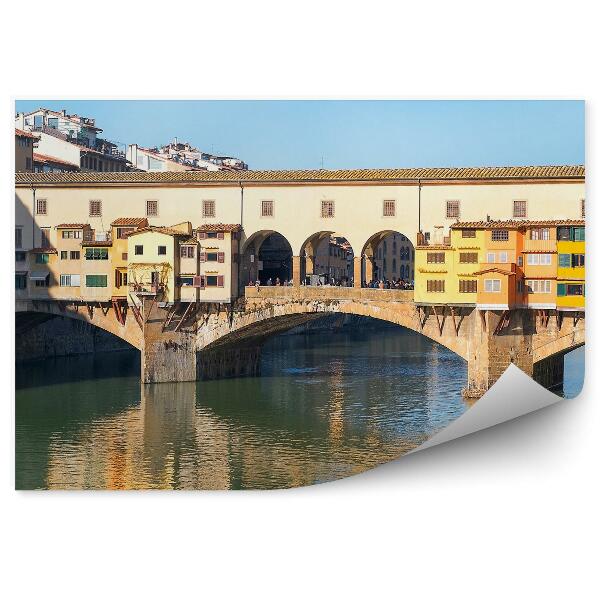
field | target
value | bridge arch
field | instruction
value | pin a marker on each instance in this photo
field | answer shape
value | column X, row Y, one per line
column 266, row 254
column 327, row 254
column 389, row 255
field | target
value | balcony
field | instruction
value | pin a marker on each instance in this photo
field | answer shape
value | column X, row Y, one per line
column 539, row 245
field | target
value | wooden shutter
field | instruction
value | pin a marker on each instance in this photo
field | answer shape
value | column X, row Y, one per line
column 197, row 281
column 202, row 235
column 561, row 289
column 202, row 256
column 221, row 257
column 220, row 235
column 202, row 281
column 220, row 281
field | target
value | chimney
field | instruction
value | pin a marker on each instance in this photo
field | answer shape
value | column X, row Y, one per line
column 64, row 112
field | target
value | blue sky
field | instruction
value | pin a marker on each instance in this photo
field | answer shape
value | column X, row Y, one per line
column 349, row 134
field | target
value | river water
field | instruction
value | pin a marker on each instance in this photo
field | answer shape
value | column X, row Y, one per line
column 327, row 405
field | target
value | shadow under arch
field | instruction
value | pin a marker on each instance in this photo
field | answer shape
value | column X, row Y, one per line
column 388, row 255
column 266, row 254
column 326, row 257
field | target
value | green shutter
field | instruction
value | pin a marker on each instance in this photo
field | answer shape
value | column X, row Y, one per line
column 561, row 289
column 579, row 234
column 564, row 260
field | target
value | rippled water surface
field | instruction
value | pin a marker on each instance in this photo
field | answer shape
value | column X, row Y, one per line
column 327, row 405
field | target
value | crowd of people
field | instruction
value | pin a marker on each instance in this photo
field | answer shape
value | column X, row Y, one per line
column 381, row 284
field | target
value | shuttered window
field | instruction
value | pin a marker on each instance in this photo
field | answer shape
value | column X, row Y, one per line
column 266, row 208
column 500, row 235
column 468, row 257
column 436, row 285
column 519, row 208
column 95, row 208
column 436, row 257
column 70, row 280
column 327, row 209
column 152, row 208
column 41, row 207
column 468, row 233
column 564, row 260
column 208, row 208
column 467, row 286
column 389, row 208
column 96, row 280
column 452, row 209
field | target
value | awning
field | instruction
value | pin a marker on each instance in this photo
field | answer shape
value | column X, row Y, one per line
column 38, row 275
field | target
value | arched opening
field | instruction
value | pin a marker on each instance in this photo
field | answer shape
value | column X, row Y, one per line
column 267, row 258
column 326, row 258
column 387, row 261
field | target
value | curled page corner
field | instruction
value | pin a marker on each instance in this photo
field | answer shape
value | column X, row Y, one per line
column 513, row 395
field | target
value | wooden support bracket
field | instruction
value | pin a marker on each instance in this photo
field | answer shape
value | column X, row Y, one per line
column 503, row 322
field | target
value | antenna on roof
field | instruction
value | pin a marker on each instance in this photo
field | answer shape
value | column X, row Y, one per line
column 322, row 162
column 488, row 218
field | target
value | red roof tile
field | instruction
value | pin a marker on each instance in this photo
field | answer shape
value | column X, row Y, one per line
column 26, row 134
column 218, row 227
column 130, row 221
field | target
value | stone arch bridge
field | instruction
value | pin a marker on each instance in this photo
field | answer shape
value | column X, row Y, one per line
column 189, row 341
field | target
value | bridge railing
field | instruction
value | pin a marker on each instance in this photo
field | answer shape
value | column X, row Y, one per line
column 325, row 292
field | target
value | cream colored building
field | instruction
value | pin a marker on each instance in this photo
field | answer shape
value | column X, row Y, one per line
column 25, row 142
column 363, row 206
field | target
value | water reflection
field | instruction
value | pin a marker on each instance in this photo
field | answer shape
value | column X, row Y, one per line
column 326, row 406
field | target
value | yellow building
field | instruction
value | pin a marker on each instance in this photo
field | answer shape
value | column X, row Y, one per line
column 571, row 266
column 120, row 229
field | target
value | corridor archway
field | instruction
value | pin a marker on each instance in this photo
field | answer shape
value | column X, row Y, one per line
column 267, row 256
column 326, row 258
column 388, row 256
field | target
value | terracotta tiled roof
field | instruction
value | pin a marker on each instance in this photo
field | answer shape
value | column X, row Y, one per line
column 25, row 134
column 188, row 241
column 166, row 230
column 515, row 224
column 44, row 158
column 435, row 247
column 72, row 226
column 96, row 243
column 43, row 251
column 220, row 227
column 317, row 175
column 130, row 221
column 495, row 270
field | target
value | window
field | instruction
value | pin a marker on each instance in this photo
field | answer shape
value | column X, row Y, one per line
column 539, row 259
column 578, row 260
column 41, row 206
column 186, row 281
column 468, row 257
column 162, row 250
column 468, row 233
column 188, row 251
column 436, row 285
column 123, row 231
column 18, row 237
column 500, row 235
column 491, row 257
column 96, row 254
column 576, row 289
column 70, row 280
column 214, row 280
column 120, row 278
column 53, row 122
column 209, row 256
column 563, row 234
column 519, row 208
column 208, row 209
column 124, row 256
column 389, row 208
column 503, row 257
column 45, row 231
column 75, row 255
column 20, row 256
column 28, row 163
column 152, row 208
column 64, row 255
column 583, row 208
column 538, row 286
column 20, row 281
column 492, row 285
column 578, row 234
column 96, row 280
column 467, row 286
column 327, row 209
column 43, row 282
column 42, row 259
column 452, row 209
column 95, row 208
column 139, row 250
column 436, row 257
column 266, row 208
column 69, row 234
column 540, row 233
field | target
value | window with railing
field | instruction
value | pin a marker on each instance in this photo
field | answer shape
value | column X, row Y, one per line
column 95, row 208
column 208, row 209
column 389, row 208
column 152, row 208
column 519, row 208
column 266, row 209
column 500, row 235
column 327, row 209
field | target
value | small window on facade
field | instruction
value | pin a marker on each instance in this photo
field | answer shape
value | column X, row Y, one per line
column 162, row 250
column 539, row 259
column 20, row 256
column 152, row 208
column 503, row 257
column 389, row 208
column 500, row 235
column 139, row 250
column 208, row 209
column 96, row 254
column 436, row 285
column 538, row 286
column 492, row 285
column 96, row 280
column 519, row 208
column 327, row 209
column 578, row 234
column 18, row 237
column 188, row 251
column 64, row 255
column 468, row 233
column 468, row 257
column 452, row 209
column 540, row 233
column 41, row 206
column 467, row 286
column 75, row 255
column 42, row 259
column 578, row 260
column 95, row 208
column 45, row 237
column 124, row 256
column 266, row 208
column 436, row 257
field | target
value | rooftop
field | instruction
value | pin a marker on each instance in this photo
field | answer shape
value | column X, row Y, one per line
column 26, row 134
column 565, row 172
column 44, row 158
column 219, row 227
column 130, row 221
column 516, row 224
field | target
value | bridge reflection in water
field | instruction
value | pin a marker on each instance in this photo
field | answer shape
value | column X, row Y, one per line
column 327, row 405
